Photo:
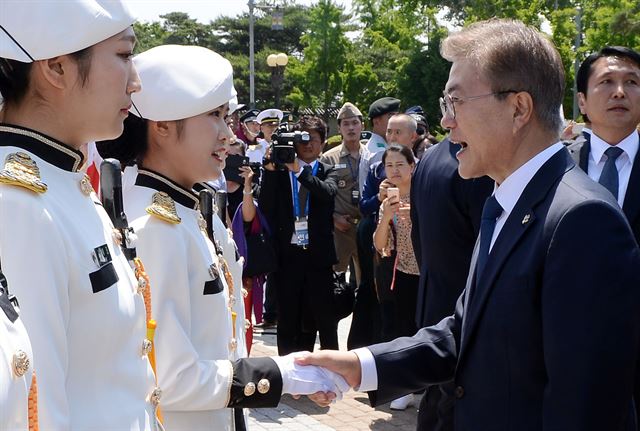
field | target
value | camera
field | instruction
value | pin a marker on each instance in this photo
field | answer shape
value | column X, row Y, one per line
column 283, row 143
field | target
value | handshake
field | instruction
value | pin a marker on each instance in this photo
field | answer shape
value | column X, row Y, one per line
column 323, row 376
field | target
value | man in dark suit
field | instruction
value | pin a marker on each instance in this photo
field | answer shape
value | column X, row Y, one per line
column 302, row 227
column 608, row 84
column 546, row 334
column 445, row 220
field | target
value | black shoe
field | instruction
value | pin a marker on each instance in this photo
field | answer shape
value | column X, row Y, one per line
column 266, row 324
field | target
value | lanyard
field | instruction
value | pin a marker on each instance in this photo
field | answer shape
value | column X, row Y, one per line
column 354, row 175
column 296, row 198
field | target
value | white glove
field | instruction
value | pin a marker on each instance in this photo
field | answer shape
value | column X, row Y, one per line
column 307, row 380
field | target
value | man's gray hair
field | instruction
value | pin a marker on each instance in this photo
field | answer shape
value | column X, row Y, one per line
column 411, row 122
column 514, row 56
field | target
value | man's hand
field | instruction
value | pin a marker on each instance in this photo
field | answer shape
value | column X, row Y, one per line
column 293, row 167
column 346, row 364
column 341, row 222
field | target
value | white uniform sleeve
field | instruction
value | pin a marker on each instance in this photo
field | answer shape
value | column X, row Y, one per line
column 187, row 381
column 35, row 264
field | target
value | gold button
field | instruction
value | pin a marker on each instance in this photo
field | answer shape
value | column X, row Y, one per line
column 147, row 345
column 154, row 397
column 213, row 271
column 85, row 185
column 20, row 363
column 233, row 344
column 264, row 386
column 249, row 389
column 202, row 224
column 117, row 237
column 142, row 284
column 247, row 324
column 232, row 301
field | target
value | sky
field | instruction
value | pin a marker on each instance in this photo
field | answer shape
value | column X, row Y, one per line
column 202, row 10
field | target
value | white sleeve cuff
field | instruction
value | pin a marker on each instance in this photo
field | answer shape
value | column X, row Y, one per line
column 369, row 379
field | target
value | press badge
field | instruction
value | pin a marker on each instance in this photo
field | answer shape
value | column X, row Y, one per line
column 302, row 232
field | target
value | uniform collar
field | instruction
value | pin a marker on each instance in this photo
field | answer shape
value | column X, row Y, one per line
column 48, row 149
column 159, row 182
column 345, row 151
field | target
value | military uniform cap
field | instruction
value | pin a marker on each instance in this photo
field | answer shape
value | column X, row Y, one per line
column 383, row 106
column 349, row 110
column 180, row 82
column 270, row 116
column 250, row 115
column 234, row 105
column 417, row 109
column 42, row 29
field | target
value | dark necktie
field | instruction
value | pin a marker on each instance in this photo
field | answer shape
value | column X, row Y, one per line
column 491, row 211
column 609, row 177
column 303, row 193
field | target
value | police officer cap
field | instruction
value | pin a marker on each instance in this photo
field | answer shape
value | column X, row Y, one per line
column 270, row 116
column 42, row 29
column 383, row 106
column 349, row 110
column 250, row 115
column 415, row 110
column 180, row 82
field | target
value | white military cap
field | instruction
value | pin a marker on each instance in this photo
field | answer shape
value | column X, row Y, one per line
column 270, row 116
column 179, row 82
column 41, row 29
column 349, row 110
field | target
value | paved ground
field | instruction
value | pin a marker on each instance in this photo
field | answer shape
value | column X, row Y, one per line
column 353, row 413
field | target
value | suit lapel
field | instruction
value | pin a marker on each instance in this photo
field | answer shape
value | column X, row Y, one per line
column 631, row 205
column 520, row 220
column 584, row 153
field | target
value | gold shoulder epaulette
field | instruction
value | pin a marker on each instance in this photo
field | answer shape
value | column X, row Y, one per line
column 21, row 170
column 163, row 207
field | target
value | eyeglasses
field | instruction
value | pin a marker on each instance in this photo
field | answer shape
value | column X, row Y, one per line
column 447, row 102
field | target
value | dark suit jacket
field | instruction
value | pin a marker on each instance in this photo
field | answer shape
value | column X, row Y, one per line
column 631, row 206
column 445, row 218
column 551, row 337
column 276, row 203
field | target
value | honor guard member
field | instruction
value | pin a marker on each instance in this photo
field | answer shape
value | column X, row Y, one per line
column 18, row 410
column 269, row 120
column 177, row 138
column 249, row 127
column 66, row 78
column 345, row 159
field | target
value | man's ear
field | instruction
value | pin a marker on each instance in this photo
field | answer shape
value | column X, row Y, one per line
column 161, row 128
column 582, row 102
column 522, row 103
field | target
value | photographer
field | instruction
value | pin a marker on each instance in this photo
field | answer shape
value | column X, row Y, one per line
column 298, row 201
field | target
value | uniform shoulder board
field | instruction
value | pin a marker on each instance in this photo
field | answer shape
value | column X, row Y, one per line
column 21, row 170
column 163, row 207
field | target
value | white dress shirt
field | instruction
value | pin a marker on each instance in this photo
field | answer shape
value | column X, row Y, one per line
column 507, row 194
column 624, row 163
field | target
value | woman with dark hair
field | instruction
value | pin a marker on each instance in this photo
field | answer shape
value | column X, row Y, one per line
column 66, row 78
column 392, row 238
column 177, row 138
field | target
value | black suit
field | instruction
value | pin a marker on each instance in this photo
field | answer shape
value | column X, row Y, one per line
column 631, row 205
column 304, row 277
column 553, row 325
column 445, row 218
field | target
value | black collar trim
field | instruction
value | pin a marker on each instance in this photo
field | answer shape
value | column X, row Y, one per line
column 159, row 182
column 48, row 149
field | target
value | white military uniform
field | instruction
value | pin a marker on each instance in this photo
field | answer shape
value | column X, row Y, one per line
column 16, row 369
column 374, row 149
column 78, row 295
column 191, row 301
column 256, row 153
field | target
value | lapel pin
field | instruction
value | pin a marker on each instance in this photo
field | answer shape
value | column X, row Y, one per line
column 526, row 219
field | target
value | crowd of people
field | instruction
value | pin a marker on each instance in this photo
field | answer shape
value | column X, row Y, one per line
column 496, row 272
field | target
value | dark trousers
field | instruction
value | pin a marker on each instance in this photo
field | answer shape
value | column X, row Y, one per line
column 436, row 408
column 405, row 294
column 365, row 323
column 305, row 304
column 270, row 300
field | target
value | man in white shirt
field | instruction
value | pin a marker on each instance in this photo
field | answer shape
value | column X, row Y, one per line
column 546, row 333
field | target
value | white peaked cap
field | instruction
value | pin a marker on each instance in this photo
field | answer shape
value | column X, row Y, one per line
column 41, row 29
column 179, row 82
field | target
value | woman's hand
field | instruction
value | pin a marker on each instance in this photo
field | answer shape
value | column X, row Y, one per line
column 390, row 206
column 247, row 173
column 382, row 192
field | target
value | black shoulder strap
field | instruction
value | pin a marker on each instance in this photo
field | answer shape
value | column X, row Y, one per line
column 8, row 303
